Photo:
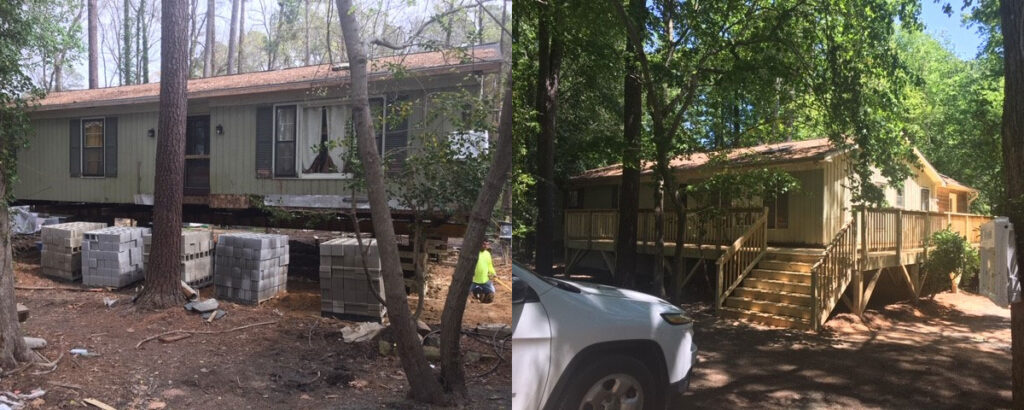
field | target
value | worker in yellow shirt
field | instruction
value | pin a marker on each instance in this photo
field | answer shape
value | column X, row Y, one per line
column 483, row 288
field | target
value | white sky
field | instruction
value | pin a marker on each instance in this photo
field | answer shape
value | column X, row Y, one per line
column 408, row 13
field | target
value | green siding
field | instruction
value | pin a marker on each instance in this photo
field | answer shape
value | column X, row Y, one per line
column 44, row 169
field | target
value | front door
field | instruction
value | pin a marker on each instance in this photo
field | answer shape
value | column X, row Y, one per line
column 197, row 155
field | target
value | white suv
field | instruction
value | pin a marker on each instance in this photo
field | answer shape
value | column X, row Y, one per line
column 582, row 346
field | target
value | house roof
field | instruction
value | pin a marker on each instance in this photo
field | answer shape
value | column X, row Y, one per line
column 790, row 151
column 954, row 184
column 480, row 58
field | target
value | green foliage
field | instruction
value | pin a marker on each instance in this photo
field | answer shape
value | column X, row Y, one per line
column 948, row 254
column 733, row 187
column 24, row 32
column 955, row 110
column 445, row 170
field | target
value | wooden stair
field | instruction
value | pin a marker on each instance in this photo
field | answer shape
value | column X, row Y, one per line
column 777, row 292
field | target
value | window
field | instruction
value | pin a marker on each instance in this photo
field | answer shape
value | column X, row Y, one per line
column 92, row 147
column 284, row 141
column 926, row 199
column 899, row 198
column 396, row 132
column 322, row 140
column 574, row 199
column 953, row 204
column 778, row 211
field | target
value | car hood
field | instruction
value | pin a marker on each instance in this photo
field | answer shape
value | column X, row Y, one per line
column 620, row 293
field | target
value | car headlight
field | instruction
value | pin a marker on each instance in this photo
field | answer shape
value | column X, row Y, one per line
column 676, row 318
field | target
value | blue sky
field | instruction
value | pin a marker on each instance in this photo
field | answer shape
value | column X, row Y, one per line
column 949, row 30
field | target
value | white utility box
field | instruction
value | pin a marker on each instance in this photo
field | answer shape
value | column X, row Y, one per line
column 998, row 279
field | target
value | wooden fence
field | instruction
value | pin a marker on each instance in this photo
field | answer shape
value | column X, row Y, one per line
column 831, row 274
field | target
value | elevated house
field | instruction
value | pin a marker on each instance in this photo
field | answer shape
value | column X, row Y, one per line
column 789, row 260
column 252, row 140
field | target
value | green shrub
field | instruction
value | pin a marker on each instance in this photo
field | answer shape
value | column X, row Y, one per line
column 949, row 254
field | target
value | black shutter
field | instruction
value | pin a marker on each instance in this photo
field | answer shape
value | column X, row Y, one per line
column 110, row 147
column 264, row 142
column 75, row 144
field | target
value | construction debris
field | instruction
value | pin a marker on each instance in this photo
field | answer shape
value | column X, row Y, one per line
column 35, row 343
column 22, row 312
column 204, row 306
column 16, row 401
column 216, row 315
column 174, row 337
column 99, row 404
column 361, row 332
column 189, row 292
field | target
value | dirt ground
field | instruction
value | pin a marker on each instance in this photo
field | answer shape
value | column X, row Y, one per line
column 299, row 361
column 950, row 352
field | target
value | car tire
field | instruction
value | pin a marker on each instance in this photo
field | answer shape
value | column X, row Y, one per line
column 619, row 381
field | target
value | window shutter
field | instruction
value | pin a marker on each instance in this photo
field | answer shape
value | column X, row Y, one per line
column 75, row 140
column 110, row 147
column 264, row 142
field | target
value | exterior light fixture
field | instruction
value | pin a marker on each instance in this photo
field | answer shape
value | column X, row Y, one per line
column 220, row 129
column 151, row 133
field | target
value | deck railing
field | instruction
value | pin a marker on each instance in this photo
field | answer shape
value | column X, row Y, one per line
column 702, row 227
column 831, row 274
column 894, row 230
column 741, row 257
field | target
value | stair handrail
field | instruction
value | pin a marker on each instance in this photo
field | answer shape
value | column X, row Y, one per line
column 740, row 258
column 832, row 272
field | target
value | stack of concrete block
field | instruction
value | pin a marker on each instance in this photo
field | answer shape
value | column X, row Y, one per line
column 112, row 257
column 196, row 256
column 250, row 267
column 345, row 291
column 61, row 256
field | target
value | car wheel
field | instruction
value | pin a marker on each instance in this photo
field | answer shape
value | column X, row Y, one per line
column 615, row 382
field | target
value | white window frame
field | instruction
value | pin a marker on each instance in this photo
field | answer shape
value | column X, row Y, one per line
column 81, row 148
column 901, row 198
column 926, row 201
column 300, row 108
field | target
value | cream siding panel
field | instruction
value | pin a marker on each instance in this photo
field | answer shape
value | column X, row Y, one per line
column 805, row 210
column 837, row 198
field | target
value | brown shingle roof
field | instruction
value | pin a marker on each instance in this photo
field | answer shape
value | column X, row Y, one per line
column 954, row 184
column 484, row 58
column 770, row 153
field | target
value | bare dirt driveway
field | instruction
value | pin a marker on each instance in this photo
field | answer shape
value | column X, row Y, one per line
column 950, row 352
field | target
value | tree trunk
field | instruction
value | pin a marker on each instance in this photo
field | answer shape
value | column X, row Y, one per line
column 241, row 35
column 58, row 72
column 452, row 373
column 1013, row 163
column 550, row 60
column 629, row 188
column 126, row 48
column 12, row 345
column 306, row 21
column 94, row 45
column 162, row 277
column 233, row 37
column 211, row 37
column 422, row 383
column 142, row 44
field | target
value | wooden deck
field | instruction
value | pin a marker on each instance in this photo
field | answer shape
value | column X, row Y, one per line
column 794, row 287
